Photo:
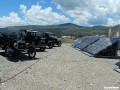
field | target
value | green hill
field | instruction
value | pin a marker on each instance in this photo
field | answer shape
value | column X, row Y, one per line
column 65, row 29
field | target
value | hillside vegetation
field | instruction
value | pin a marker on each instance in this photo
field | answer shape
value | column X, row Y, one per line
column 65, row 29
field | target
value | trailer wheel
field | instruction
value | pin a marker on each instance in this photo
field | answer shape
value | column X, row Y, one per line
column 31, row 52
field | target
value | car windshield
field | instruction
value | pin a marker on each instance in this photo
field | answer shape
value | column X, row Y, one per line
column 31, row 33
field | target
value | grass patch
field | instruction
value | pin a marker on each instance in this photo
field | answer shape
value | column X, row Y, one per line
column 67, row 41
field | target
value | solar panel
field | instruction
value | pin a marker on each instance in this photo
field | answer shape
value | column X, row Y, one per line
column 79, row 41
column 88, row 41
column 98, row 46
column 114, row 40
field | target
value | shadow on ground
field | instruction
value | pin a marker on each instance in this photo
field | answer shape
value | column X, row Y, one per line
column 18, row 57
column 108, row 57
column 37, row 50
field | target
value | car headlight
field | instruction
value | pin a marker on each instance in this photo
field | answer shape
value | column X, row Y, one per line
column 16, row 45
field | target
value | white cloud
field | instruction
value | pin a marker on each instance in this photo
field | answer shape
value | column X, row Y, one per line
column 33, row 16
column 39, row 16
column 11, row 20
column 23, row 8
column 91, row 12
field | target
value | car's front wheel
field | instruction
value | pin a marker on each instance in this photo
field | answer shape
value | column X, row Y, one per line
column 8, row 52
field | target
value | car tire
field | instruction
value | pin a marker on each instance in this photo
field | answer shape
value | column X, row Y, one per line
column 59, row 43
column 31, row 52
column 8, row 52
column 50, row 45
column 42, row 49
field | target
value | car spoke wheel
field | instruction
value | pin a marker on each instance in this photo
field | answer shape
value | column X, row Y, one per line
column 32, row 52
column 8, row 52
column 59, row 44
column 42, row 48
column 50, row 45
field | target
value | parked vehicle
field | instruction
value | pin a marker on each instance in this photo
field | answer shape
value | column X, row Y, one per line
column 39, row 39
column 33, row 38
column 13, row 44
column 51, row 37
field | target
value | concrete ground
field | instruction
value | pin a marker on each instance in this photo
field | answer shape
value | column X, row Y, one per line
column 60, row 68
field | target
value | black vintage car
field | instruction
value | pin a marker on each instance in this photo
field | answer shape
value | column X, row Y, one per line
column 33, row 38
column 39, row 39
column 13, row 44
column 51, row 37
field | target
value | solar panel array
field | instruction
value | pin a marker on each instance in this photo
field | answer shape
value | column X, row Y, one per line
column 94, row 44
column 79, row 41
column 98, row 46
column 88, row 41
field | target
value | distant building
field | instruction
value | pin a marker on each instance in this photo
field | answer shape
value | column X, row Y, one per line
column 66, row 37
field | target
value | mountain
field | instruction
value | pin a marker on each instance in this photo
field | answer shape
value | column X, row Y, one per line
column 65, row 29
column 70, row 24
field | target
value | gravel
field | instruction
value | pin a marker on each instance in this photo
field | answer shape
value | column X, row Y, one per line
column 60, row 68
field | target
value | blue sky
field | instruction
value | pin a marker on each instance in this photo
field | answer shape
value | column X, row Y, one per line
column 14, row 6
column 49, row 12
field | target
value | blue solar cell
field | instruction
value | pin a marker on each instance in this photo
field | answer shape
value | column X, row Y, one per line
column 98, row 46
column 79, row 41
column 88, row 41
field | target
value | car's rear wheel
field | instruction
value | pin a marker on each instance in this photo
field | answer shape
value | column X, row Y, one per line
column 32, row 52
column 42, row 48
column 50, row 45
column 59, row 43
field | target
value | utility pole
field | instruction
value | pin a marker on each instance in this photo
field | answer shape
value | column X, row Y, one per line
column 109, row 32
column 117, row 34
